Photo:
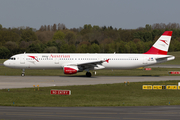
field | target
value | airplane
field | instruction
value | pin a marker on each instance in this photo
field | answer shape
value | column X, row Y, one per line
column 72, row 63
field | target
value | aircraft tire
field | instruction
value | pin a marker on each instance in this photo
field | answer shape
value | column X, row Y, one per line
column 88, row 74
column 22, row 74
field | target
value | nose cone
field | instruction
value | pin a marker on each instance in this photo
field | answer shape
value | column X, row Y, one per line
column 6, row 63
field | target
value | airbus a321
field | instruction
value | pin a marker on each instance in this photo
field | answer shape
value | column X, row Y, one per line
column 72, row 63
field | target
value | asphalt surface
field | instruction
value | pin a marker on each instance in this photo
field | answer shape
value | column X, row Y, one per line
column 91, row 113
column 7, row 82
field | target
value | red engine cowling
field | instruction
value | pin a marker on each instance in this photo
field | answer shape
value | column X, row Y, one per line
column 70, row 69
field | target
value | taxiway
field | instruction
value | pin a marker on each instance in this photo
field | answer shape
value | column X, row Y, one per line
column 7, row 82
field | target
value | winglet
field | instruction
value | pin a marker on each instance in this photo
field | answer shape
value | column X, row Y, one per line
column 161, row 46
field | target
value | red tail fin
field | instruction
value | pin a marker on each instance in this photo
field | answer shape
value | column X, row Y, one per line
column 161, row 46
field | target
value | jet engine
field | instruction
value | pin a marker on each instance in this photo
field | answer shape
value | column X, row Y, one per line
column 70, row 69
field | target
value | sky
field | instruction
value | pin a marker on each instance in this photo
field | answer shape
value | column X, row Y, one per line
column 125, row 14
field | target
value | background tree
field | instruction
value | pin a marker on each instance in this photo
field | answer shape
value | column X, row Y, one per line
column 86, row 39
column 52, row 49
column 4, row 52
column 94, row 48
column 1, row 27
column 59, row 35
column 28, row 35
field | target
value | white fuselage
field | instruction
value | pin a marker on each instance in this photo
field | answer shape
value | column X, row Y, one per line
column 58, row 61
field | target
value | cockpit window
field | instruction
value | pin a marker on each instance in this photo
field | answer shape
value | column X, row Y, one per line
column 12, row 58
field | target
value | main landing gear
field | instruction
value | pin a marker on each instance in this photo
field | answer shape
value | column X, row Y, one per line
column 23, row 73
column 88, row 74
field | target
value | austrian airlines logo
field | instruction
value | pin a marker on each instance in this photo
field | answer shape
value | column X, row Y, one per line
column 34, row 57
column 107, row 60
column 164, row 41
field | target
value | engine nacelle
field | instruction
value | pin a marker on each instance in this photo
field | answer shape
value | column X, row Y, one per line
column 70, row 69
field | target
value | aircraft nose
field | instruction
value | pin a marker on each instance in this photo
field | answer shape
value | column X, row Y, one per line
column 5, row 63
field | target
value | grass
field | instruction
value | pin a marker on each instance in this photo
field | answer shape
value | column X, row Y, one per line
column 93, row 95
column 176, row 61
column 133, row 72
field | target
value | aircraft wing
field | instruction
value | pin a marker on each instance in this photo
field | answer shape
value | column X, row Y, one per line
column 90, row 65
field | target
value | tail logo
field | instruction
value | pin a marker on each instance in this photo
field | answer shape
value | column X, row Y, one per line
column 164, row 41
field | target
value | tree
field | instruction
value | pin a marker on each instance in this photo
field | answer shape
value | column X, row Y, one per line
column 11, row 45
column 121, row 47
column 4, row 52
column 70, row 37
column 36, row 48
column 42, row 28
column 44, row 36
column 148, row 27
column 71, row 48
column 54, row 27
column 95, row 27
column 147, row 36
column 1, row 27
column 52, row 49
column 82, row 48
column 8, row 35
column 94, row 48
column 64, row 47
column 88, row 26
column 59, row 35
column 61, row 27
column 94, row 41
column 127, row 48
column 28, row 35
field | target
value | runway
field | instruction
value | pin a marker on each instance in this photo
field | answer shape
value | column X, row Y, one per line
column 7, row 82
column 91, row 113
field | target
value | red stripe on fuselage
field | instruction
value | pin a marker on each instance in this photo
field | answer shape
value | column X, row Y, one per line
column 154, row 50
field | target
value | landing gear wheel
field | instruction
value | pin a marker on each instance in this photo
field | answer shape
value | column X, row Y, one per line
column 23, row 74
column 88, row 74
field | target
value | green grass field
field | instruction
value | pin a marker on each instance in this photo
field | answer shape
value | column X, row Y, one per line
column 133, row 72
column 93, row 95
column 176, row 61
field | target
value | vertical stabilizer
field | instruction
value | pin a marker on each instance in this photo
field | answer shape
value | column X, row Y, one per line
column 161, row 46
